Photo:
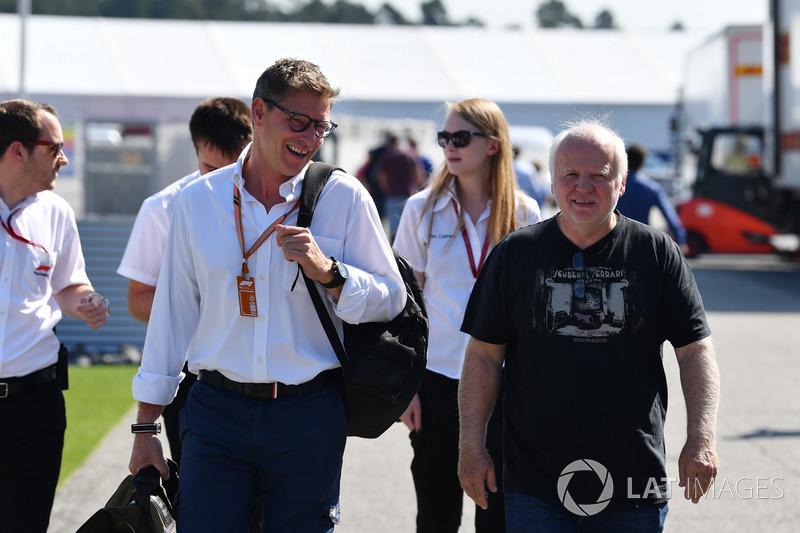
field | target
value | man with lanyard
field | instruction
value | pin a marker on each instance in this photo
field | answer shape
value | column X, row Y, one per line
column 220, row 129
column 266, row 416
column 578, row 307
column 42, row 275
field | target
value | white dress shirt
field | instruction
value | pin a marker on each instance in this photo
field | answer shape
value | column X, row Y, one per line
column 448, row 276
column 142, row 258
column 196, row 308
column 29, row 276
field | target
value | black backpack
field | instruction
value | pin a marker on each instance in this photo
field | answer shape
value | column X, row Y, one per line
column 383, row 363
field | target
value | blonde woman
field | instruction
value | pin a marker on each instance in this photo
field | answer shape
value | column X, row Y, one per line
column 447, row 230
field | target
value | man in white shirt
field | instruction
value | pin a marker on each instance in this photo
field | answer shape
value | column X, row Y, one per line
column 220, row 130
column 42, row 275
column 266, row 416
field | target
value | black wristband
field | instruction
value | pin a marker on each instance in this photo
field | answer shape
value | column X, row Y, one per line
column 146, row 428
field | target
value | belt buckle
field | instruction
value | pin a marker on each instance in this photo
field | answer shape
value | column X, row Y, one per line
column 3, row 390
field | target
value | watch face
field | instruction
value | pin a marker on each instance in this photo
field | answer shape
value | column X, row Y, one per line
column 342, row 270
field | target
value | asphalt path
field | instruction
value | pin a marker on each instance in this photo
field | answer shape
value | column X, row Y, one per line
column 753, row 305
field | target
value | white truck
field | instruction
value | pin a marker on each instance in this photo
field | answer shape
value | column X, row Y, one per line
column 738, row 117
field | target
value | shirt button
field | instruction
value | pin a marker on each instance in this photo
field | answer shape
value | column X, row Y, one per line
column 261, row 318
column 258, row 360
column 262, row 276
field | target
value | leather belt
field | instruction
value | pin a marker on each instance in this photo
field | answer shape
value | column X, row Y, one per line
column 270, row 390
column 9, row 386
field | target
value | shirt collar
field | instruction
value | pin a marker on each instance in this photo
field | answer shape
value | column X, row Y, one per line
column 5, row 211
column 290, row 189
column 446, row 202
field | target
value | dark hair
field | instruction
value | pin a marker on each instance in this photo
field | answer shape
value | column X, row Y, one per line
column 19, row 121
column 636, row 155
column 288, row 76
column 222, row 123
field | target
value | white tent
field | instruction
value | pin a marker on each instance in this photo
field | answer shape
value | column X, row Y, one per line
column 155, row 70
column 114, row 66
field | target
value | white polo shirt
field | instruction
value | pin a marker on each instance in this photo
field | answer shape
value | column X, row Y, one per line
column 196, row 307
column 29, row 276
column 448, row 276
column 145, row 249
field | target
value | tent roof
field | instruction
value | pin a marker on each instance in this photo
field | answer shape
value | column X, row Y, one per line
column 179, row 59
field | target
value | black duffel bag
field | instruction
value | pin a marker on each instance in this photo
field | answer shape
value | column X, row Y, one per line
column 141, row 504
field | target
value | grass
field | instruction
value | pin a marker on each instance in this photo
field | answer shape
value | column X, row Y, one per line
column 98, row 396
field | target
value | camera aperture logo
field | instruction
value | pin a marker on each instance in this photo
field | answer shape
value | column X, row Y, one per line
column 590, row 508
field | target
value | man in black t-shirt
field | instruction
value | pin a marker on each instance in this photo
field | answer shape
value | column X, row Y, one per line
column 577, row 308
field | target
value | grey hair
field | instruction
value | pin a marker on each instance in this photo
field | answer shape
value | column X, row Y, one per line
column 592, row 128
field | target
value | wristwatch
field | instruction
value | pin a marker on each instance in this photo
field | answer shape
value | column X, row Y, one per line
column 146, row 428
column 339, row 275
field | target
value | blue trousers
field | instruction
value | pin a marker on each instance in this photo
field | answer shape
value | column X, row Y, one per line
column 527, row 514
column 288, row 451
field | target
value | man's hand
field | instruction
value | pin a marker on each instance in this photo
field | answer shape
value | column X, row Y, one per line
column 697, row 469
column 147, row 450
column 476, row 473
column 298, row 245
column 93, row 310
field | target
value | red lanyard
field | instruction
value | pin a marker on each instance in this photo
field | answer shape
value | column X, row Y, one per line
column 475, row 271
column 14, row 235
column 237, row 211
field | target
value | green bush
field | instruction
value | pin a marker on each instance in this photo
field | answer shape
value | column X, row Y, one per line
column 98, row 396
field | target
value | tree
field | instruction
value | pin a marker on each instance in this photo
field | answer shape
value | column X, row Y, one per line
column 605, row 21
column 314, row 11
column 554, row 14
column 389, row 15
column 434, row 14
column 348, row 13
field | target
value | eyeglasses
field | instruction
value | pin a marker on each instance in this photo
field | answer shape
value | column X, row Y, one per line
column 55, row 148
column 460, row 138
column 299, row 122
column 579, row 288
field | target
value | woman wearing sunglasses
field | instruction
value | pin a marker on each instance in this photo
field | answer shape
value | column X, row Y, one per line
column 447, row 230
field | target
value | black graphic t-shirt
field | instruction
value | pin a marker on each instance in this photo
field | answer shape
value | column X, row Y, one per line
column 584, row 377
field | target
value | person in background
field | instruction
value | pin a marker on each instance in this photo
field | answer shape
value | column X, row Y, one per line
column 369, row 173
column 266, row 417
column 424, row 163
column 527, row 177
column 642, row 193
column 42, row 276
column 398, row 177
column 446, row 232
column 220, row 129
column 573, row 312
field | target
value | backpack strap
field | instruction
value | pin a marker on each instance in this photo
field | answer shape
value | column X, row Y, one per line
column 314, row 181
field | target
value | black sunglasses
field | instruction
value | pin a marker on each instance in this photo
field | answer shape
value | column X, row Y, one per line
column 299, row 122
column 55, row 148
column 579, row 288
column 460, row 138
